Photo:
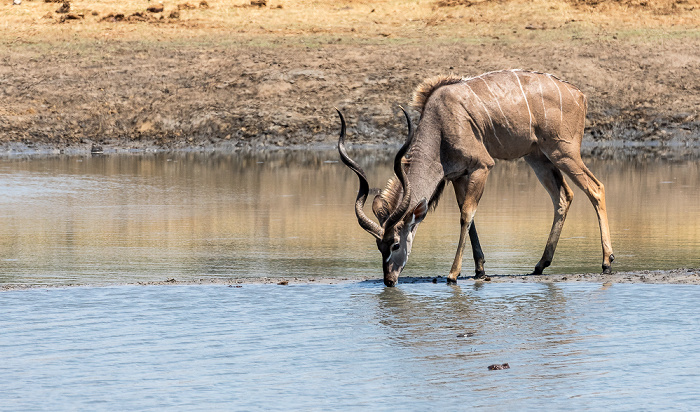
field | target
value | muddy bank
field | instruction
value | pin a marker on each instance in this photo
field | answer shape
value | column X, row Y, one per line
column 131, row 96
column 683, row 276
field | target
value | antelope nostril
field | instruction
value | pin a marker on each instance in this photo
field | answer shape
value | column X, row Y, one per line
column 389, row 283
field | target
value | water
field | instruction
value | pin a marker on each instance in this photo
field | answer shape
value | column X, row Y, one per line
column 124, row 219
column 116, row 220
column 354, row 346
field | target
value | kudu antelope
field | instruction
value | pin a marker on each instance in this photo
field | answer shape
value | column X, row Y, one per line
column 465, row 124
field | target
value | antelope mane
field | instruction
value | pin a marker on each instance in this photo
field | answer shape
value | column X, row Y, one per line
column 425, row 89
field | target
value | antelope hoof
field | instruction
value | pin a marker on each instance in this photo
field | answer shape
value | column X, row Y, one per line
column 451, row 281
column 540, row 267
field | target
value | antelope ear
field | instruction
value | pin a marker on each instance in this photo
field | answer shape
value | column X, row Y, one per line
column 419, row 212
column 379, row 208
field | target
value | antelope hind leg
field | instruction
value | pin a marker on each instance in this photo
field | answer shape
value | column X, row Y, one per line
column 561, row 195
column 594, row 189
column 477, row 252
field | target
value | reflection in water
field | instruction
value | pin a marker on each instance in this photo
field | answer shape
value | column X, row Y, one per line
column 352, row 346
column 595, row 338
column 127, row 218
column 469, row 322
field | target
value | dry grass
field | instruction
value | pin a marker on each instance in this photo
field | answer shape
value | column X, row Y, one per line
column 354, row 20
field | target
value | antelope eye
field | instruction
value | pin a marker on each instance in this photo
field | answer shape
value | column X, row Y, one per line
column 395, row 247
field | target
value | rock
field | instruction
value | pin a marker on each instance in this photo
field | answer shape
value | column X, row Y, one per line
column 113, row 17
column 65, row 7
column 72, row 16
column 138, row 16
column 158, row 8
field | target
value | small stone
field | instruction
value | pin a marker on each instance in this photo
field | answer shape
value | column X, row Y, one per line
column 158, row 8
column 65, row 8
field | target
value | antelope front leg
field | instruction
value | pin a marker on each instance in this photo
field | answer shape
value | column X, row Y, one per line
column 469, row 190
column 466, row 225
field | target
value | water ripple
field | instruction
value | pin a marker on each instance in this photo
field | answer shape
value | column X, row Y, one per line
column 352, row 346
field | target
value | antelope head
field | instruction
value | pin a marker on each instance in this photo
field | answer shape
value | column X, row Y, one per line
column 397, row 220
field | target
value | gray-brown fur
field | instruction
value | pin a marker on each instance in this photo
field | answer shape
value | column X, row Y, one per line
column 465, row 124
column 389, row 198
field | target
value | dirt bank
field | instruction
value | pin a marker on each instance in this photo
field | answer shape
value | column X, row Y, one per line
column 126, row 95
column 206, row 85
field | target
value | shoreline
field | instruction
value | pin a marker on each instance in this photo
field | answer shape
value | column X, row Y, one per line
column 597, row 149
column 681, row 276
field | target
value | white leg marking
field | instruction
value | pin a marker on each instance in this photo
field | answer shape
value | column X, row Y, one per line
column 510, row 128
column 561, row 107
column 524, row 97
column 493, row 128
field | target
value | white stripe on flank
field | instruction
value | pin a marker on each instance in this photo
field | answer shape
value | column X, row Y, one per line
column 510, row 128
column 524, row 97
column 572, row 96
column 466, row 79
column 487, row 113
column 544, row 109
column 561, row 107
